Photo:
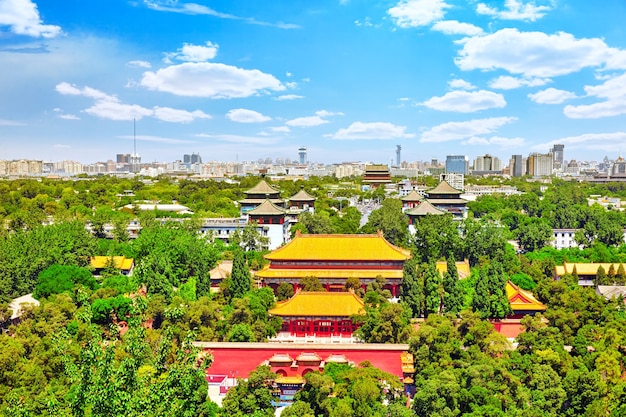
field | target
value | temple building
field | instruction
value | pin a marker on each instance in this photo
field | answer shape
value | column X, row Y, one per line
column 411, row 200
column 445, row 197
column 422, row 211
column 273, row 219
column 318, row 314
column 522, row 302
column 335, row 258
column 302, row 201
column 257, row 196
column 376, row 175
column 122, row 264
column 587, row 272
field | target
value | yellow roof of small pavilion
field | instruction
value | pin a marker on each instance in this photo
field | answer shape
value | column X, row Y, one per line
column 522, row 300
column 302, row 195
column 119, row 262
column 262, row 188
column 443, row 187
column 462, row 267
column 413, row 196
column 339, row 247
column 584, row 268
column 268, row 273
column 290, row 380
column 320, row 304
column 267, row 208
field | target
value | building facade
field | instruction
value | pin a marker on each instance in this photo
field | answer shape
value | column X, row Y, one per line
column 457, row 164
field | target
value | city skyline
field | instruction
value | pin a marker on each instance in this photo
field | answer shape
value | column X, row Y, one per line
column 347, row 80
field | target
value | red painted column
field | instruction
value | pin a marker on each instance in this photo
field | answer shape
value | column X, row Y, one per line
column 394, row 290
column 336, row 327
column 311, row 328
column 327, row 287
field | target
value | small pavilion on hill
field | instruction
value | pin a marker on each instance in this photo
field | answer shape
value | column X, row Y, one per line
column 319, row 314
column 411, row 200
column 257, row 195
column 335, row 258
column 522, row 302
column 445, row 197
column 302, row 201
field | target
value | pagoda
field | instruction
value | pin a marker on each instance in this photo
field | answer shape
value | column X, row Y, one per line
column 302, row 201
column 258, row 194
column 333, row 258
column 411, row 200
column 272, row 219
column 445, row 197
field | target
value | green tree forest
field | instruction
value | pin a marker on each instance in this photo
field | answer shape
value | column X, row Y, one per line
column 117, row 345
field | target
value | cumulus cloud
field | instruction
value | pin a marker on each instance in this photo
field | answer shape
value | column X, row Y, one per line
column 288, row 97
column 454, row 27
column 515, row 10
column 414, row 13
column 174, row 6
column 212, row 80
column 193, row 53
column 107, row 106
column 247, row 116
column 536, row 54
column 464, row 130
column 310, row 121
column 459, row 84
column 613, row 93
column 139, row 64
column 466, row 101
column 506, row 82
column 551, row 96
column 22, row 18
column 376, row 130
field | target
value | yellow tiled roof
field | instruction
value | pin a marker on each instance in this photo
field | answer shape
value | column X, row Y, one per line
column 267, row 208
column 262, row 188
column 413, row 196
column 424, row 208
column 320, row 304
column 584, row 268
column 290, row 380
column 338, row 247
column 462, row 267
column 443, row 187
column 327, row 273
column 522, row 300
column 119, row 262
column 302, row 195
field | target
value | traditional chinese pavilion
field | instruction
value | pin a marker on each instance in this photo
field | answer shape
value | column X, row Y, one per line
column 319, row 314
column 273, row 220
column 445, row 197
column 412, row 199
column 302, row 201
column 335, row 258
column 421, row 211
column 257, row 196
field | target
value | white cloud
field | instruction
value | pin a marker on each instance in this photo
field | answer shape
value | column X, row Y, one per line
column 167, row 114
column 515, row 10
column 139, row 64
column 506, row 82
column 496, row 141
column 613, row 91
column 376, row 130
column 69, row 117
column 609, row 142
column 454, row 27
column 193, row 53
column 23, row 18
column 288, row 97
column 156, row 139
column 109, row 107
column 213, row 80
column 4, row 122
column 247, row 116
column 310, row 121
column 280, row 129
column 414, row 13
column 462, row 130
column 459, row 84
column 535, row 54
column 198, row 9
column 466, row 101
column 551, row 96
column 256, row 140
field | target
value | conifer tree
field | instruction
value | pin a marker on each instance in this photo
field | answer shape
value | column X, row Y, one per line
column 432, row 291
column 412, row 287
column 240, row 276
column 453, row 294
column 480, row 302
column 601, row 277
column 611, row 275
column 620, row 276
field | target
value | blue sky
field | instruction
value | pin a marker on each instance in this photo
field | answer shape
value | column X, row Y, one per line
column 348, row 79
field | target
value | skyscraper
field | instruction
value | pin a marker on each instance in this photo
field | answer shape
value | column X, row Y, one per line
column 557, row 156
column 516, row 166
column 398, row 158
column 302, row 154
column 457, row 164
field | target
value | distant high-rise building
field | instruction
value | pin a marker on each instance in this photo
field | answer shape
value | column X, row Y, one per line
column 557, row 156
column 123, row 158
column 487, row 163
column 516, row 166
column 457, row 164
column 302, row 154
column 398, row 156
column 194, row 158
column 540, row 165
column 434, row 162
